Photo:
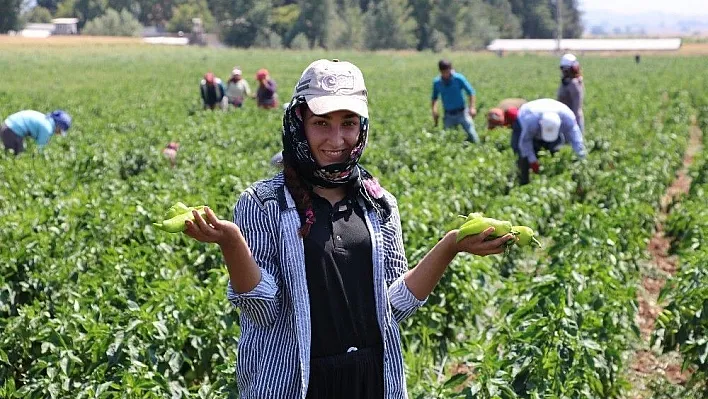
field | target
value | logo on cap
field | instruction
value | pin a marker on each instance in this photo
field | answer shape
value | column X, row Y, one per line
column 334, row 83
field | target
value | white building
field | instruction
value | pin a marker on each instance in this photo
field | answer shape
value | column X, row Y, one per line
column 65, row 26
column 37, row 30
column 531, row 45
column 59, row 26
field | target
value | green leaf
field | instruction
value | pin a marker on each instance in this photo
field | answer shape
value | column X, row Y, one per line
column 455, row 380
column 133, row 306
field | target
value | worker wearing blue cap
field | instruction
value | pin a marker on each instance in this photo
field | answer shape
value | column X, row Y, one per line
column 35, row 125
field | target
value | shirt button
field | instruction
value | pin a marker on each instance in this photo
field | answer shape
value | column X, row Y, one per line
column 339, row 238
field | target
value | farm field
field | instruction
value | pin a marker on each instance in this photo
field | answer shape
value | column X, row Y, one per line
column 96, row 303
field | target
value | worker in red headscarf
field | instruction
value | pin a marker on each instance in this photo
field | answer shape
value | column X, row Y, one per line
column 212, row 90
column 266, row 96
column 504, row 114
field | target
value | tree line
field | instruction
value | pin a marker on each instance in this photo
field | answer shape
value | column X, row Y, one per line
column 359, row 24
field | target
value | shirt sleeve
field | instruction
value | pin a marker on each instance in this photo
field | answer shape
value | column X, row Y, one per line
column 575, row 91
column 202, row 92
column 466, row 86
column 526, row 138
column 436, row 92
column 403, row 302
column 263, row 303
column 246, row 88
column 575, row 137
column 43, row 135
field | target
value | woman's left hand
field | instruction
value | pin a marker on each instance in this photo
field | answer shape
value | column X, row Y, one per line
column 477, row 245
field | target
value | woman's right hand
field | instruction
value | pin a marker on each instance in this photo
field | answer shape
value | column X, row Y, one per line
column 212, row 229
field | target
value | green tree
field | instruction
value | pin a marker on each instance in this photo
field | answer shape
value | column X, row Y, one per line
column 300, row 42
column 182, row 17
column 536, row 18
column 502, row 16
column 349, row 30
column 10, row 15
column 571, row 18
column 65, row 8
column 390, row 26
column 246, row 20
column 84, row 10
column 284, row 18
column 38, row 14
column 474, row 28
column 446, row 15
column 50, row 5
column 268, row 39
column 421, row 11
column 113, row 23
column 316, row 20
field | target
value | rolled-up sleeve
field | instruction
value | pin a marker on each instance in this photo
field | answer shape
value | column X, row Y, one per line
column 262, row 304
column 403, row 302
column 575, row 136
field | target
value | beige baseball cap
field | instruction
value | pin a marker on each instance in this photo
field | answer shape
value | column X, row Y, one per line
column 333, row 86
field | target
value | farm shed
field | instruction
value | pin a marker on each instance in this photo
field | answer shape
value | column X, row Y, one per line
column 65, row 26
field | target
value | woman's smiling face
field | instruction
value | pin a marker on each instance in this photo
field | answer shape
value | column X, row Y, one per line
column 332, row 136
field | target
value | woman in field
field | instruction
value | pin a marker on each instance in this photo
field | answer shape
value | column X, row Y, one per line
column 237, row 89
column 571, row 91
column 266, row 96
column 35, row 125
column 316, row 260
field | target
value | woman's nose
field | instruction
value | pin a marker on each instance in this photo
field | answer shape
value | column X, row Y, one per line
column 337, row 134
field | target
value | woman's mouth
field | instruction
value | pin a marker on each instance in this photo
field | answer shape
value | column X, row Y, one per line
column 334, row 154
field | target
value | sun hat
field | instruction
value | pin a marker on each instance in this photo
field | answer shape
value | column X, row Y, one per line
column 567, row 60
column 62, row 119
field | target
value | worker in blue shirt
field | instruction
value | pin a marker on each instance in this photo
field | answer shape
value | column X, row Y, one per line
column 450, row 85
column 543, row 123
column 35, row 125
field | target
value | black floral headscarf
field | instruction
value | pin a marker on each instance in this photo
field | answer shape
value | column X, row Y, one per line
column 296, row 152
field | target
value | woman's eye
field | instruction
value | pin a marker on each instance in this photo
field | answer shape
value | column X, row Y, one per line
column 320, row 123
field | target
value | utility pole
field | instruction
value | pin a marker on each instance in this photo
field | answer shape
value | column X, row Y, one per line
column 559, row 16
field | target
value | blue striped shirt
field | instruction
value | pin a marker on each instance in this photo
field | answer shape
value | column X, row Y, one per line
column 274, row 349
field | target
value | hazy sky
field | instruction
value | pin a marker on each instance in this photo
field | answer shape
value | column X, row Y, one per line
column 683, row 7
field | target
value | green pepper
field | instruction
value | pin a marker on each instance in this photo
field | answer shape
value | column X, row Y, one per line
column 176, row 209
column 472, row 216
column 478, row 225
column 177, row 223
column 525, row 236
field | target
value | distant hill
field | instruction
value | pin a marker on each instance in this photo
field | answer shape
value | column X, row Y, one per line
column 603, row 22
